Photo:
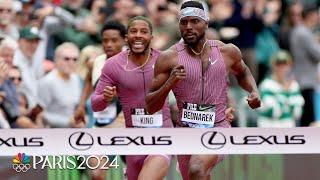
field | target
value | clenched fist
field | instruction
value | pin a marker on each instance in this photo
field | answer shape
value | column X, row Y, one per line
column 254, row 100
column 109, row 93
column 178, row 73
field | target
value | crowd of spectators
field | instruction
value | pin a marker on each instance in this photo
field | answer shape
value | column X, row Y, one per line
column 46, row 46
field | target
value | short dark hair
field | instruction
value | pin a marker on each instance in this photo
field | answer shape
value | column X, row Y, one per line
column 308, row 9
column 140, row 18
column 194, row 4
column 114, row 25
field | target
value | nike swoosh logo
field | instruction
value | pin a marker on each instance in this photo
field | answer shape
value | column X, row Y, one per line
column 205, row 108
column 212, row 63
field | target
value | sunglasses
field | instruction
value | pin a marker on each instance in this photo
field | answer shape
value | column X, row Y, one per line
column 70, row 58
column 5, row 10
column 15, row 78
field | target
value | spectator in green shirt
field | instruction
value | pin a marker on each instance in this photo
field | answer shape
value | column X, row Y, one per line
column 282, row 101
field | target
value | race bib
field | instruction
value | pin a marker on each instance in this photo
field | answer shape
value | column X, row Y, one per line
column 141, row 119
column 200, row 116
column 107, row 115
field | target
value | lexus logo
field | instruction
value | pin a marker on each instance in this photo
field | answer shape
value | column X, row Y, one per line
column 81, row 141
column 213, row 140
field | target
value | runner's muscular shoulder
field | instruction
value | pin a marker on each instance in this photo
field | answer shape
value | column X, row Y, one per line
column 167, row 60
column 231, row 54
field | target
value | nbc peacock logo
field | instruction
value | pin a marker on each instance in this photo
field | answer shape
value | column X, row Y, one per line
column 21, row 162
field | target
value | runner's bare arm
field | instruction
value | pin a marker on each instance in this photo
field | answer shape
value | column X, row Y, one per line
column 80, row 112
column 159, row 88
column 87, row 90
column 239, row 68
column 243, row 74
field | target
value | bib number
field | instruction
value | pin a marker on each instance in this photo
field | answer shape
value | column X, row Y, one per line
column 195, row 115
column 141, row 119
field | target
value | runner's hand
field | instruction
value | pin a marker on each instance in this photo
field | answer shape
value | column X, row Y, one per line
column 254, row 100
column 229, row 114
column 178, row 73
column 109, row 93
column 79, row 114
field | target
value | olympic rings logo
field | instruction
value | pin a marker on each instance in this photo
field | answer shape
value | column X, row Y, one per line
column 21, row 167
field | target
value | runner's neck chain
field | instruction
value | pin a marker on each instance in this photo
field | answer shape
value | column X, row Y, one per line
column 203, row 47
column 146, row 61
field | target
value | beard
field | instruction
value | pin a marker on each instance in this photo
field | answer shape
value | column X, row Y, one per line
column 193, row 43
